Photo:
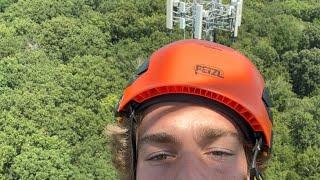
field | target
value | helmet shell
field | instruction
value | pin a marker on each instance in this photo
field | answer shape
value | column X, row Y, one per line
column 205, row 69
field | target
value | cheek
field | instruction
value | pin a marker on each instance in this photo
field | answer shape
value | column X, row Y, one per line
column 147, row 172
column 237, row 167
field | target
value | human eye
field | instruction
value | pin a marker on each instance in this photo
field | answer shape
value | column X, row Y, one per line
column 219, row 154
column 160, row 156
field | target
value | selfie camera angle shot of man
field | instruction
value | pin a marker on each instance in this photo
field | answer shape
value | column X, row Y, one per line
column 160, row 89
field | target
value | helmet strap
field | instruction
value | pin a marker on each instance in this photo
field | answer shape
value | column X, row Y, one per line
column 133, row 144
column 254, row 172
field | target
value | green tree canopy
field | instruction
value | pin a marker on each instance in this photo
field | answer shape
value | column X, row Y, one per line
column 64, row 64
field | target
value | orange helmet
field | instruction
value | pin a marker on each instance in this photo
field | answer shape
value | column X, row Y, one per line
column 209, row 70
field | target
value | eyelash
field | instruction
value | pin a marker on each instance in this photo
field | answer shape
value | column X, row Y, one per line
column 159, row 157
column 219, row 154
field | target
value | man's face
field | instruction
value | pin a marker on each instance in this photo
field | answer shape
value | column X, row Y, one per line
column 183, row 141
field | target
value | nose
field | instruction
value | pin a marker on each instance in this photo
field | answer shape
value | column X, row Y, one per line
column 191, row 167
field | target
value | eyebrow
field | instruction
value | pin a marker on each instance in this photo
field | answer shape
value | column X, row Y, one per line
column 158, row 138
column 202, row 137
column 209, row 135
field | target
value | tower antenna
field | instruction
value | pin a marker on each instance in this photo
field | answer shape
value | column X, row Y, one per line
column 205, row 17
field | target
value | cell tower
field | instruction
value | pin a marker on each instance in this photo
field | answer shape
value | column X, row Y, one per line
column 205, row 16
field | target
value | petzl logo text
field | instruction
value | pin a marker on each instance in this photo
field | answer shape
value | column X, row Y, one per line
column 207, row 70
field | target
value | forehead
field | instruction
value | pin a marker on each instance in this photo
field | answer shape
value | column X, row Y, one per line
column 180, row 117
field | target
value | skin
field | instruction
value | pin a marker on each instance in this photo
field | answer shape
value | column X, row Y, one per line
column 183, row 141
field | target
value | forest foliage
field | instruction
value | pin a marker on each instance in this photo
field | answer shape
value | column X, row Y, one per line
column 64, row 63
